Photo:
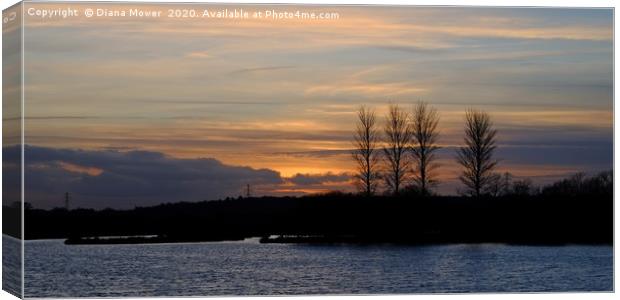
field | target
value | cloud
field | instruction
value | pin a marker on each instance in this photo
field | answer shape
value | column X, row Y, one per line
column 52, row 118
column 100, row 179
column 410, row 49
column 91, row 171
column 199, row 54
column 365, row 89
column 129, row 178
column 261, row 69
column 319, row 179
column 300, row 184
column 545, row 33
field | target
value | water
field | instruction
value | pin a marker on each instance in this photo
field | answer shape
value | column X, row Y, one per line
column 248, row 268
column 12, row 265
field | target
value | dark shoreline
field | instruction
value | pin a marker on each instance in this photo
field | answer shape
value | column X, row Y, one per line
column 368, row 241
column 311, row 240
column 141, row 240
column 555, row 216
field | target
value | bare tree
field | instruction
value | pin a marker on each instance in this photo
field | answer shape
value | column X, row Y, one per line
column 424, row 121
column 476, row 156
column 366, row 152
column 522, row 187
column 397, row 139
column 500, row 184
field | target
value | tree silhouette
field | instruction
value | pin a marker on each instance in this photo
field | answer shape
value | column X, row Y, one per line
column 425, row 135
column 500, row 184
column 476, row 156
column 366, row 154
column 578, row 184
column 522, row 187
column 398, row 137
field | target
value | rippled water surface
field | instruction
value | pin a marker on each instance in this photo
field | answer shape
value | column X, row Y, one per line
column 12, row 265
column 249, row 268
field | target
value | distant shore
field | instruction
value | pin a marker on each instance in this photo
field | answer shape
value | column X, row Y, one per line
column 289, row 239
column 142, row 240
column 565, row 214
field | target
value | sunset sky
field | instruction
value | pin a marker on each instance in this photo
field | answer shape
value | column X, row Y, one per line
column 281, row 95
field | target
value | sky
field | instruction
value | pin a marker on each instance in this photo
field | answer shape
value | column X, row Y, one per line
column 272, row 103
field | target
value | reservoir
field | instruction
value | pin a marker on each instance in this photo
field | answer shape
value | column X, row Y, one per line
column 250, row 268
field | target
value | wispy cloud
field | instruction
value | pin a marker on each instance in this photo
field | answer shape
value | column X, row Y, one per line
column 199, row 54
column 365, row 89
column 260, row 69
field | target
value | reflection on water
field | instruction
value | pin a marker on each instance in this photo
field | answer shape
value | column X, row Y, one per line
column 249, row 268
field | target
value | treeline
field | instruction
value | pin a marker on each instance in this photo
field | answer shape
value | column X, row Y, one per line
column 578, row 209
column 401, row 156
